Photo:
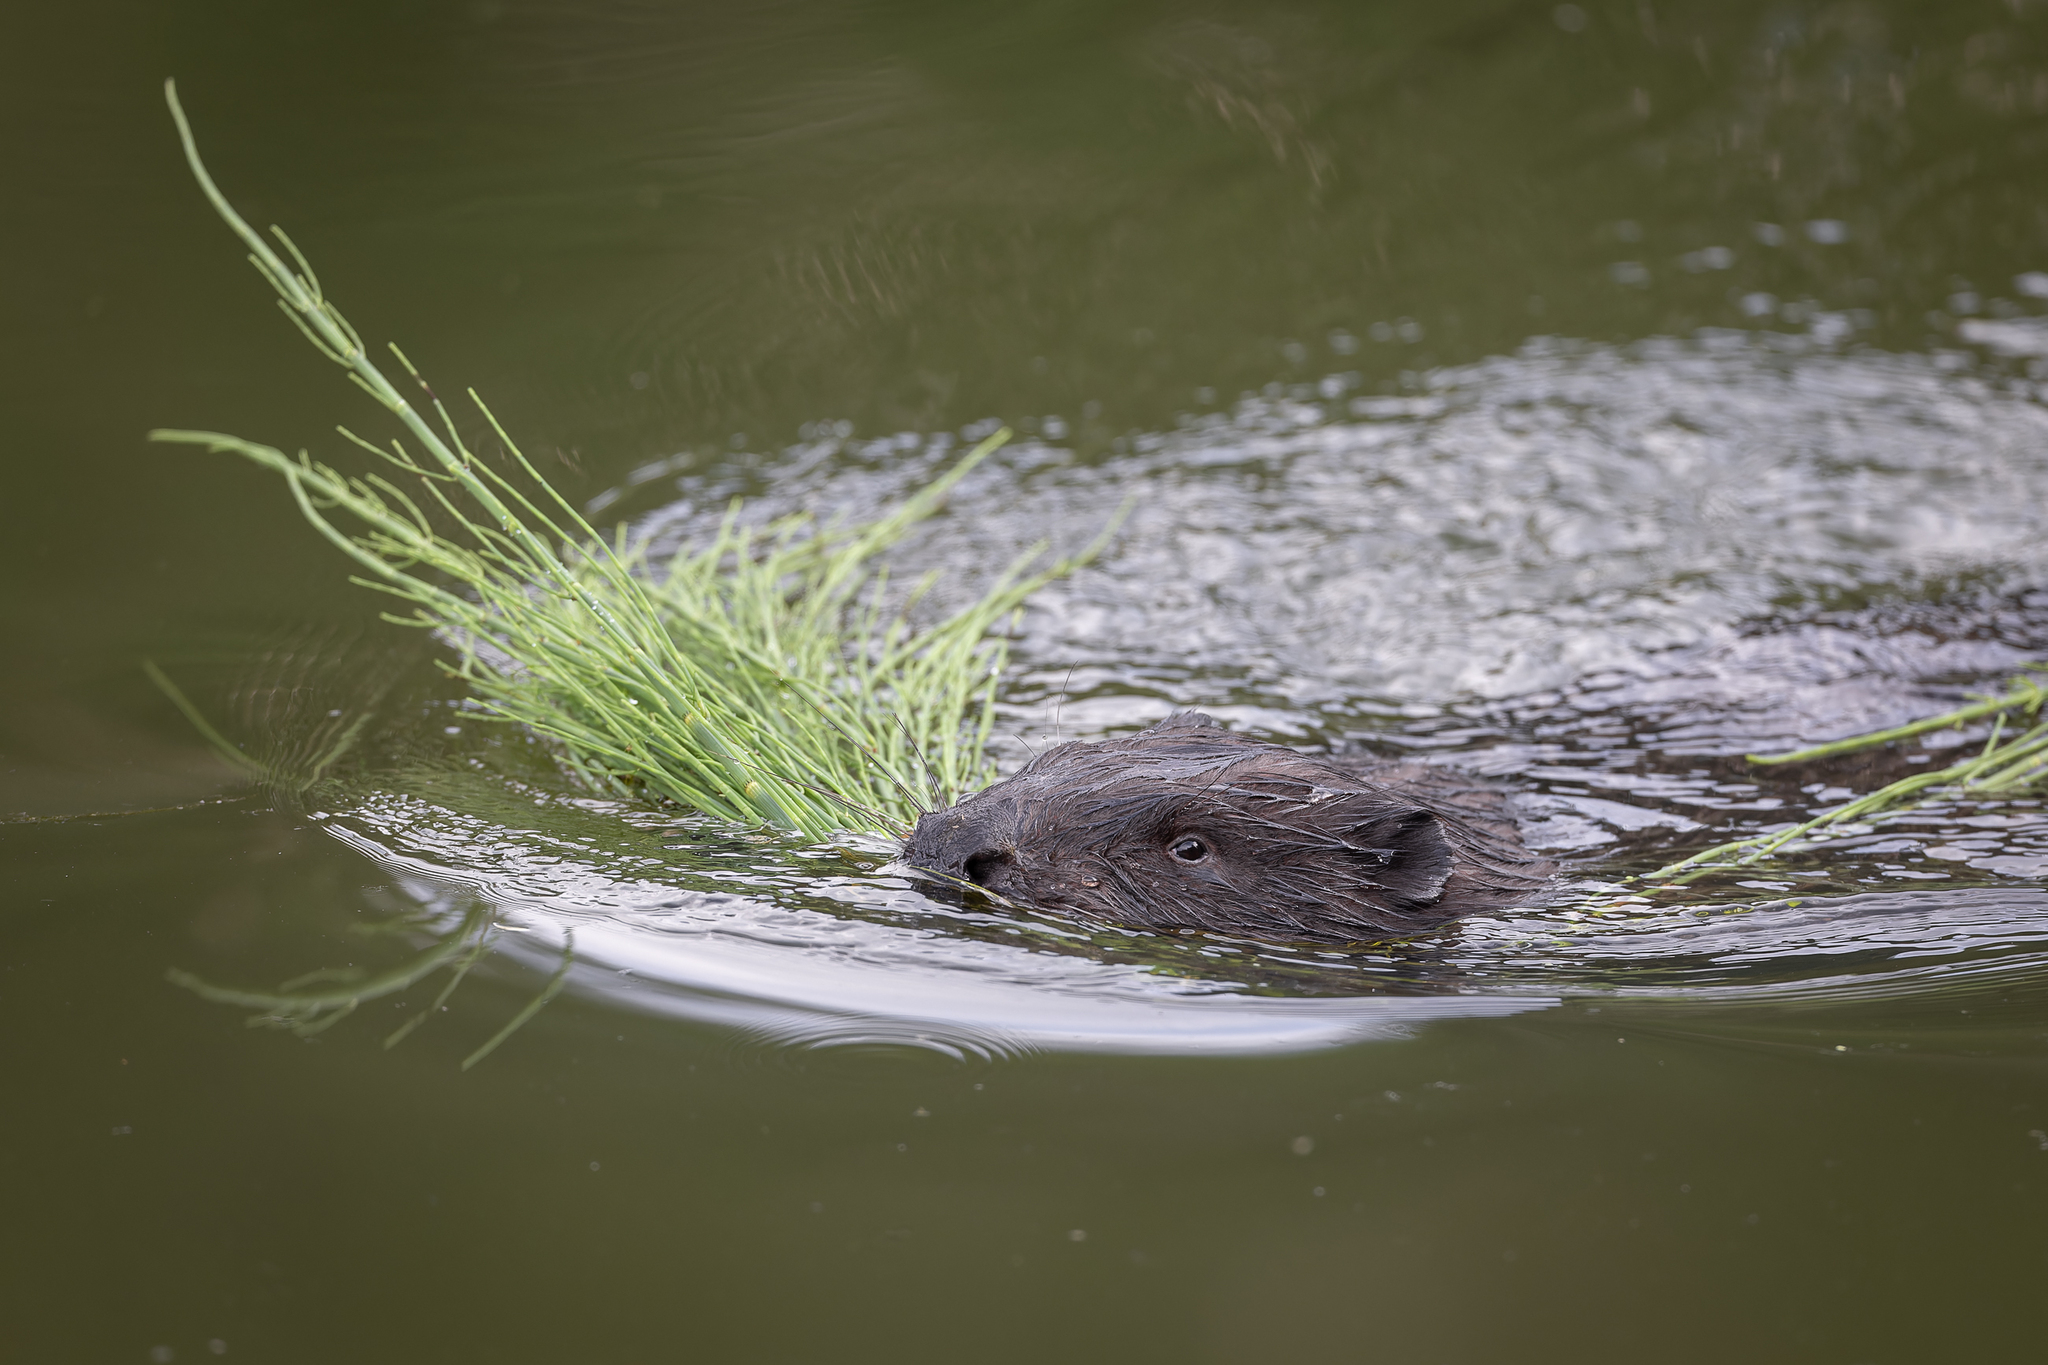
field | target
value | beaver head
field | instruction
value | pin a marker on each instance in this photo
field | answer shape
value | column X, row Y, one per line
column 1189, row 826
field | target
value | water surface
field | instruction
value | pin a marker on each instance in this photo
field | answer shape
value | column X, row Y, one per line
column 1581, row 395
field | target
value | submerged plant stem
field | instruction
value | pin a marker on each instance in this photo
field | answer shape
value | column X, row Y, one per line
column 309, row 1011
column 533, row 1006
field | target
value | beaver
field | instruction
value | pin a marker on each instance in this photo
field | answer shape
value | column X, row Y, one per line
column 1189, row 826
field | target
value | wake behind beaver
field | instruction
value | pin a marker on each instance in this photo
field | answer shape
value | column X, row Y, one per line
column 1188, row 826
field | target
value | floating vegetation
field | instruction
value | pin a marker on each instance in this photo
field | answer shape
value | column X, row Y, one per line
column 767, row 676
column 2007, row 765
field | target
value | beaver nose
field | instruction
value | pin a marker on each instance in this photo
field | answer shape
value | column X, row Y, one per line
column 954, row 844
column 979, row 867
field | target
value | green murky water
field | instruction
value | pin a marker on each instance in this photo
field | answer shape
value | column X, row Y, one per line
column 1583, row 394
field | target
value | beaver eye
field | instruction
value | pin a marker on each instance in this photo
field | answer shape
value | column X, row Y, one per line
column 1190, row 850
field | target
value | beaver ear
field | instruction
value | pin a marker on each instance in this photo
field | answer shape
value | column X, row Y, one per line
column 1408, row 854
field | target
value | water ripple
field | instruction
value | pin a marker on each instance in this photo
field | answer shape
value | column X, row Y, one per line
column 1599, row 573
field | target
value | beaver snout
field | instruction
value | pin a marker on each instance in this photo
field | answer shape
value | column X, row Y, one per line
column 964, row 859
column 960, row 843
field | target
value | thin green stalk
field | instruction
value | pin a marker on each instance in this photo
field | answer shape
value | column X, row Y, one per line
column 533, row 1006
column 2026, row 694
column 405, row 1030
column 1999, row 767
column 197, row 720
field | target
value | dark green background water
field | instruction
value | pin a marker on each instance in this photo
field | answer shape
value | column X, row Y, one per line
column 693, row 234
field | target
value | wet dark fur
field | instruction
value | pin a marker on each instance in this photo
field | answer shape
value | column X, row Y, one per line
column 1188, row 826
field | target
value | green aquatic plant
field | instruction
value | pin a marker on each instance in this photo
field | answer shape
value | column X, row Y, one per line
column 767, row 676
column 2007, row 764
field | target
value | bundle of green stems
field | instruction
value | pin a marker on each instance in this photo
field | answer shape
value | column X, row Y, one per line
column 768, row 676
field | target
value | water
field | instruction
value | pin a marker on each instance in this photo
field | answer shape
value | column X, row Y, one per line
column 1585, row 396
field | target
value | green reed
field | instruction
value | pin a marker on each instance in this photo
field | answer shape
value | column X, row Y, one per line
column 2006, row 765
column 765, row 676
